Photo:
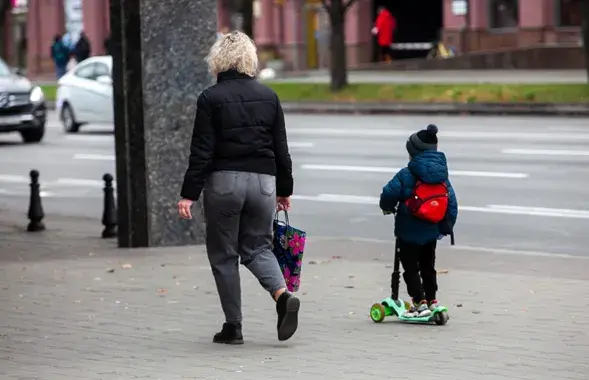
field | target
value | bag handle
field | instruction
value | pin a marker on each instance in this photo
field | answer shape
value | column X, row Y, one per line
column 285, row 217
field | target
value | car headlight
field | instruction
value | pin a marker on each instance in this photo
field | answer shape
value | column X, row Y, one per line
column 37, row 95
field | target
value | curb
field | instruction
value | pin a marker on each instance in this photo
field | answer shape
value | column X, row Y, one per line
column 490, row 109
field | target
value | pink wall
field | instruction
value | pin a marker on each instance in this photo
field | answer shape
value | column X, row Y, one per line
column 451, row 21
column 7, row 37
column 97, row 23
column 358, row 22
column 536, row 13
column 264, row 27
column 45, row 19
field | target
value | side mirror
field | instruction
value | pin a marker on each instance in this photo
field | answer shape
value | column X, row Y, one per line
column 104, row 79
column 17, row 71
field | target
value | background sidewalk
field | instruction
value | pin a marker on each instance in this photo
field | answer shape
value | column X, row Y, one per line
column 74, row 307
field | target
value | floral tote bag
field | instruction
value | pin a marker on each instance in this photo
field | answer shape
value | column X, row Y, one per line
column 288, row 247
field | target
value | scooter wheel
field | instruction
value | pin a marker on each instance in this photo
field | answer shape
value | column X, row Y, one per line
column 441, row 318
column 377, row 312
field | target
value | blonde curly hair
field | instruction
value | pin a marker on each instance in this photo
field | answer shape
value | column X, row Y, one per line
column 233, row 51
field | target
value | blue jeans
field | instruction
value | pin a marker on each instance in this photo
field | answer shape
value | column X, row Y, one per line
column 60, row 71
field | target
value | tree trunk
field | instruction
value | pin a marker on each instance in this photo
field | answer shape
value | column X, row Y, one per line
column 247, row 12
column 585, row 32
column 339, row 66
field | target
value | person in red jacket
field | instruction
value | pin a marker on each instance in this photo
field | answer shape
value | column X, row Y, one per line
column 384, row 27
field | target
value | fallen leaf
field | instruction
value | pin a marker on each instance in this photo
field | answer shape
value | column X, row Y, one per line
column 459, row 305
column 312, row 262
column 126, row 266
column 349, row 287
column 162, row 291
column 336, row 257
column 442, row 271
column 110, row 270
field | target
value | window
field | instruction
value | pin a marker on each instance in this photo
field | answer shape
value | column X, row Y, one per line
column 569, row 13
column 503, row 14
column 86, row 72
column 100, row 69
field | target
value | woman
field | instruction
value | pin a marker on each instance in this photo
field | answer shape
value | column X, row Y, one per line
column 239, row 159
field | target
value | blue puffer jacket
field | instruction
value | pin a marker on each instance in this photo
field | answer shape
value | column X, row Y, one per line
column 429, row 167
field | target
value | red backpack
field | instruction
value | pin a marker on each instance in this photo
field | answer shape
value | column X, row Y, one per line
column 428, row 201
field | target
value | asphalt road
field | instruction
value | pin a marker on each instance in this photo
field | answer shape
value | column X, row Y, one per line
column 522, row 183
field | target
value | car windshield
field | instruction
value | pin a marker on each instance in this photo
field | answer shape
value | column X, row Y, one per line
column 4, row 70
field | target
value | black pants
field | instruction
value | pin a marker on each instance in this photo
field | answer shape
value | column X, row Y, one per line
column 418, row 259
column 385, row 53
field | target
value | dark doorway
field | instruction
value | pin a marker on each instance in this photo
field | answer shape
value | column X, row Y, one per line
column 417, row 21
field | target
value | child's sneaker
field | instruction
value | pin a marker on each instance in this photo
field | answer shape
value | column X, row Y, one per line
column 411, row 312
column 433, row 305
column 423, row 310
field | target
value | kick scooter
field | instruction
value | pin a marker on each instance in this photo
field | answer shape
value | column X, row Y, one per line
column 395, row 306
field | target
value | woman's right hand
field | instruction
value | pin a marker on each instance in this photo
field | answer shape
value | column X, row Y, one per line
column 283, row 203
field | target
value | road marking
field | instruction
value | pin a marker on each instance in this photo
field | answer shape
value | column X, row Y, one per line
column 499, row 135
column 78, row 182
column 546, row 152
column 15, row 193
column 491, row 250
column 94, row 157
column 502, row 251
column 377, row 169
column 300, row 144
column 495, row 209
column 9, row 178
column 91, row 138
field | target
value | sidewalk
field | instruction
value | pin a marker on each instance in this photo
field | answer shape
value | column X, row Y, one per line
column 74, row 307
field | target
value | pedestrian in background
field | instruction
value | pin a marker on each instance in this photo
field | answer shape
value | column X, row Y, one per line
column 82, row 48
column 383, row 29
column 60, row 55
column 239, row 159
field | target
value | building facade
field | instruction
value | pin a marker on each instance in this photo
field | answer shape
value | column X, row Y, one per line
column 296, row 32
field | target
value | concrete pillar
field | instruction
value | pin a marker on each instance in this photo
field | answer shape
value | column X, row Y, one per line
column 158, row 74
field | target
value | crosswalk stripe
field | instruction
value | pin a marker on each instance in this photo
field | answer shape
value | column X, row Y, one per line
column 379, row 169
column 496, row 209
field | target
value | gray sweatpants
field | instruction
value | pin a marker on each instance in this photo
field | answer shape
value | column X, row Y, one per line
column 239, row 210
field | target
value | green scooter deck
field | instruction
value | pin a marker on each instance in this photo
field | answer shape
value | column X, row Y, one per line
column 390, row 307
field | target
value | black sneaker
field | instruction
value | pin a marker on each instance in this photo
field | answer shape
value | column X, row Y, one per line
column 287, row 308
column 230, row 334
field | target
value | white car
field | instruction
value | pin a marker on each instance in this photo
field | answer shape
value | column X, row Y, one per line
column 85, row 94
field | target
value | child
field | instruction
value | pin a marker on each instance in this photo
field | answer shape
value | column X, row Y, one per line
column 426, row 207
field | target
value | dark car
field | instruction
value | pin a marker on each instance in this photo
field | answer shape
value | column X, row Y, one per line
column 22, row 106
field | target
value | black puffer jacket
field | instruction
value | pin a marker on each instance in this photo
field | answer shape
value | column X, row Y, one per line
column 239, row 126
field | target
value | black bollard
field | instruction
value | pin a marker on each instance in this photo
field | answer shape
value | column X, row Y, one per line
column 36, row 213
column 109, row 215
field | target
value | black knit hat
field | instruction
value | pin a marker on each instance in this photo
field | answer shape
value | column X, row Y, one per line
column 426, row 139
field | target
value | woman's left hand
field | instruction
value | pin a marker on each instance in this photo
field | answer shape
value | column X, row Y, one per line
column 184, row 208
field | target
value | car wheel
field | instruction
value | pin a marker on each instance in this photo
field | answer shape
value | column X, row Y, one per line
column 69, row 120
column 33, row 135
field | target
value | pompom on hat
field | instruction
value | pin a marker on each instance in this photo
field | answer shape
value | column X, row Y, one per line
column 424, row 140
